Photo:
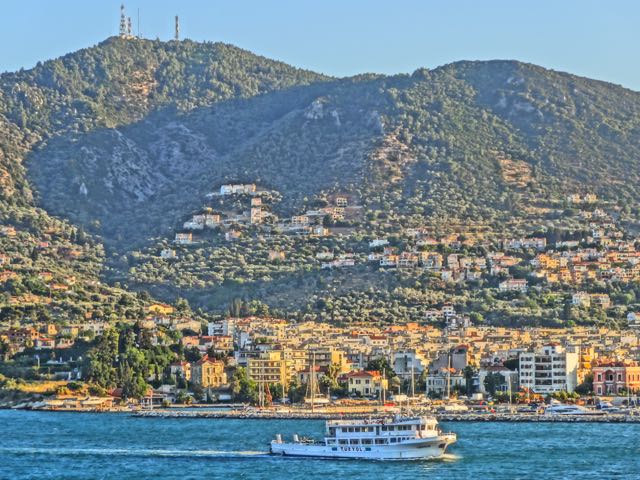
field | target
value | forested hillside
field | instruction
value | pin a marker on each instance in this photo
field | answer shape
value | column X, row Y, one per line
column 128, row 140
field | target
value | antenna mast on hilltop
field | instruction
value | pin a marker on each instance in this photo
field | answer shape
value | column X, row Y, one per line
column 123, row 22
column 177, row 37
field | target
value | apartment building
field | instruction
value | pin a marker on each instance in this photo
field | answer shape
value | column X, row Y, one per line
column 551, row 369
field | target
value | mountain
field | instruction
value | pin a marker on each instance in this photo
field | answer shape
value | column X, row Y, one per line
column 127, row 138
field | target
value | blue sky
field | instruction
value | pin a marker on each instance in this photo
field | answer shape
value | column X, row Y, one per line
column 597, row 39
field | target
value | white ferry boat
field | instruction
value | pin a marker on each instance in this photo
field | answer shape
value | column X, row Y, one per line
column 399, row 438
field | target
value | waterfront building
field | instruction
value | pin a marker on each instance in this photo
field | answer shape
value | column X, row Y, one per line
column 366, row 383
column 270, row 367
column 550, row 369
column 408, row 362
column 326, row 357
column 443, row 381
column 615, row 378
column 208, row 372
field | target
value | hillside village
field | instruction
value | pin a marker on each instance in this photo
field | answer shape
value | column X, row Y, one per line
column 586, row 272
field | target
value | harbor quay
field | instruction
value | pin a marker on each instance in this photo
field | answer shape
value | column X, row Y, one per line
column 255, row 414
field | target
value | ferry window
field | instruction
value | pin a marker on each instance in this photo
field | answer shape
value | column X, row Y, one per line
column 368, row 449
column 354, row 442
column 331, row 442
column 366, row 441
column 343, row 442
column 350, row 429
column 393, row 440
column 332, row 431
column 384, row 429
column 334, row 449
column 380, row 441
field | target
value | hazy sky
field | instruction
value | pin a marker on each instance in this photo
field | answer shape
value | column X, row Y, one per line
column 597, row 39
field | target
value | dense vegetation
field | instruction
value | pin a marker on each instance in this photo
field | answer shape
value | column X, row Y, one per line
column 125, row 139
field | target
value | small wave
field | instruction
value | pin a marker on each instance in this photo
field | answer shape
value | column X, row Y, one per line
column 134, row 452
column 450, row 457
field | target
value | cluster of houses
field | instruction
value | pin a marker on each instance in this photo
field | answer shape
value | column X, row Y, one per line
column 311, row 223
column 276, row 351
column 231, row 222
column 618, row 261
column 541, row 361
column 453, row 267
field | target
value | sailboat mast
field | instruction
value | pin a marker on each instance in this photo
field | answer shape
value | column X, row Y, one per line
column 383, row 395
column 413, row 384
column 313, row 380
column 448, row 374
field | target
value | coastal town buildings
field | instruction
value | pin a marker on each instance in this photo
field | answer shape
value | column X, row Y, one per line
column 616, row 378
column 553, row 368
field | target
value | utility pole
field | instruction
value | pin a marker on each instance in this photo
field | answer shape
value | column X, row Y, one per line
column 177, row 33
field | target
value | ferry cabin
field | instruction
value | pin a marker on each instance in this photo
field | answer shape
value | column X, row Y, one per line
column 379, row 432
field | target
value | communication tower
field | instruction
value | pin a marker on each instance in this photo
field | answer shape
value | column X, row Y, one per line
column 123, row 22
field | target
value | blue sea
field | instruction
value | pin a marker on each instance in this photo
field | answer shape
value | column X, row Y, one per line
column 44, row 445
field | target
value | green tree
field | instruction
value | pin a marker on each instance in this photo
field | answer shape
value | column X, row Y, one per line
column 243, row 388
column 103, row 358
column 492, row 382
column 381, row 365
column 468, row 373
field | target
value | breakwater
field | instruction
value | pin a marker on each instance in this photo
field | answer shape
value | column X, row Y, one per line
column 442, row 417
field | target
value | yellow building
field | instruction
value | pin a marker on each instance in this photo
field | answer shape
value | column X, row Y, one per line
column 271, row 367
column 208, row 372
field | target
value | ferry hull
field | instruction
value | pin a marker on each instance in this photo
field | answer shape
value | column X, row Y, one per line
column 418, row 450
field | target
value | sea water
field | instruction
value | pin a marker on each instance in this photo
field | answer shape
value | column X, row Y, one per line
column 61, row 445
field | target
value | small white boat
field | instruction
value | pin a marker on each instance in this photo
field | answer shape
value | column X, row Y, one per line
column 399, row 438
column 562, row 409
